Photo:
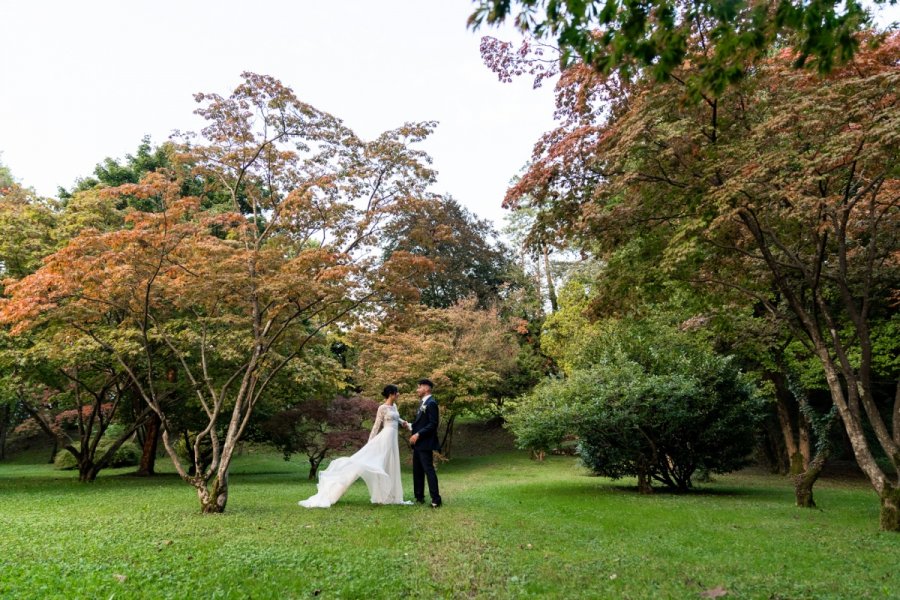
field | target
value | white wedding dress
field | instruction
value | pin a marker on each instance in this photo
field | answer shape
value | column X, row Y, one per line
column 378, row 463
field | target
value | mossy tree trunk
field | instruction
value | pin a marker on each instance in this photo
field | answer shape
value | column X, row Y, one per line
column 804, row 480
column 890, row 509
column 213, row 496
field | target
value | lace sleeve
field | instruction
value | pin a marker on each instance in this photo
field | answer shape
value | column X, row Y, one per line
column 379, row 421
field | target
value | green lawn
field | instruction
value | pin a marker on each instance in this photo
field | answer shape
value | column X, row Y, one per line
column 510, row 528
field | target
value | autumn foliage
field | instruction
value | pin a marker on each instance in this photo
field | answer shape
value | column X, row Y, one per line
column 782, row 187
column 232, row 286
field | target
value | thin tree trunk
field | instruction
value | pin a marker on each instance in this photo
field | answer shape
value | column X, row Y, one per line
column 53, row 450
column 314, row 461
column 45, row 427
column 551, row 289
column 539, row 285
column 5, row 414
column 447, row 442
column 896, row 417
column 803, row 428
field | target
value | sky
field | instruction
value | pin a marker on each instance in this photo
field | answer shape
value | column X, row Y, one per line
column 86, row 80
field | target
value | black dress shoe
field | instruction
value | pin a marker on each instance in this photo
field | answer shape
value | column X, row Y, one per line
column 436, row 504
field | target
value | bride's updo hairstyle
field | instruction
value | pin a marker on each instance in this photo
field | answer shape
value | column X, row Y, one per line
column 390, row 390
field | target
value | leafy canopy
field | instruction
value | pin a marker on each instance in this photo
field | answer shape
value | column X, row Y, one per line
column 655, row 37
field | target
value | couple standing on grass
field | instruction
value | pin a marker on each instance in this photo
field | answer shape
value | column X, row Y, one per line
column 378, row 462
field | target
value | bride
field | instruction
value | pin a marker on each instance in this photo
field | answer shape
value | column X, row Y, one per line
column 378, row 462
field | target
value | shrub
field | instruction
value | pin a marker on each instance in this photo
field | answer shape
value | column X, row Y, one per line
column 128, row 454
column 652, row 403
column 69, row 418
column 318, row 428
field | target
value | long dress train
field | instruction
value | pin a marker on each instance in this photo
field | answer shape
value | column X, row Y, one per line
column 378, row 463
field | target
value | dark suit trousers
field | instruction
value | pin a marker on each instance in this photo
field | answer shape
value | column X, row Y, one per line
column 423, row 468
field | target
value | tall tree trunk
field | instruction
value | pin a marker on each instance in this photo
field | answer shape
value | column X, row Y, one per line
column 783, row 401
column 551, row 289
column 539, row 285
column 147, row 466
column 851, row 417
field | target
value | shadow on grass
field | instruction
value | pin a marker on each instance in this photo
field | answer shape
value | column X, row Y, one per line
column 706, row 490
column 596, row 487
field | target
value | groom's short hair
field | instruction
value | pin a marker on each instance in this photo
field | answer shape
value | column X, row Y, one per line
column 427, row 382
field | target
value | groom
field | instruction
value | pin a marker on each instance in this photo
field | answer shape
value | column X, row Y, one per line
column 424, row 441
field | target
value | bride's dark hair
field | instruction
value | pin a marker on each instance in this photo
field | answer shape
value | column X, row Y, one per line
column 389, row 390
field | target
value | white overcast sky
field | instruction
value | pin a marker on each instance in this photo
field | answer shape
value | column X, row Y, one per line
column 83, row 80
column 86, row 80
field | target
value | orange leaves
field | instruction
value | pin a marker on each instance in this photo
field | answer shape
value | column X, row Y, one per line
column 98, row 274
column 463, row 349
column 521, row 326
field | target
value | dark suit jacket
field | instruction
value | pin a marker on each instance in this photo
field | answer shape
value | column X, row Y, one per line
column 426, row 425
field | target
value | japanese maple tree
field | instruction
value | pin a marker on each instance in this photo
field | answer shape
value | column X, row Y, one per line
column 232, row 298
column 784, row 188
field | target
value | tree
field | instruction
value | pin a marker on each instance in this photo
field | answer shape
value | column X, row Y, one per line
column 469, row 258
column 469, row 353
column 113, row 173
column 27, row 222
column 61, row 369
column 529, row 239
column 6, row 178
column 654, row 38
column 317, row 428
column 26, row 225
column 87, row 206
column 233, row 299
column 645, row 400
column 783, row 188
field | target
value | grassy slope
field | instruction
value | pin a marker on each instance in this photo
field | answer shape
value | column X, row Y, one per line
column 511, row 527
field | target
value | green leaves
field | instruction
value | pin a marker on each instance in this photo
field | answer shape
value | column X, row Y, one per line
column 647, row 400
column 634, row 37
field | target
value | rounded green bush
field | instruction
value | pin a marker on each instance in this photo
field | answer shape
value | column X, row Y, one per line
column 128, row 455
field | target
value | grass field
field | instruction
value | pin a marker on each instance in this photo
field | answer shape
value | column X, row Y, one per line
column 510, row 528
